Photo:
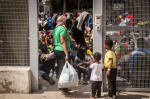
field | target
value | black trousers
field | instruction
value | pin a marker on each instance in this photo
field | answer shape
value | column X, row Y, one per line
column 112, row 82
column 96, row 88
column 60, row 62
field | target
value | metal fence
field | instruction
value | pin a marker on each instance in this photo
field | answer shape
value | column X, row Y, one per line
column 128, row 25
column 14, row 33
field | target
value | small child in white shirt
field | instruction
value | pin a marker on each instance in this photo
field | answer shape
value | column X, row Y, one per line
column 96, row 75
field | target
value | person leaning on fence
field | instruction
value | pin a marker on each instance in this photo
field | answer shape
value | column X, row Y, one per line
column 96, row 75
column 110, row 66
column 62, row 46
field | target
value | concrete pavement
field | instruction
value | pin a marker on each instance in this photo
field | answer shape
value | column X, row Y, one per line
column 80, row 92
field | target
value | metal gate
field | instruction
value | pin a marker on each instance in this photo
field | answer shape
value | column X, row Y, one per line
column 14, row 33
column 128, row 25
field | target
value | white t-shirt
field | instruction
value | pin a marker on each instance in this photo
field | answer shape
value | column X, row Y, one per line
column 96, row 74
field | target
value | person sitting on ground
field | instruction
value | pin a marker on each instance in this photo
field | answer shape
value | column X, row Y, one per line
column 82, row 68
column 45, row 64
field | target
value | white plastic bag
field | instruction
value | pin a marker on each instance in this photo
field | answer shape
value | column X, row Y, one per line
column 68, row 77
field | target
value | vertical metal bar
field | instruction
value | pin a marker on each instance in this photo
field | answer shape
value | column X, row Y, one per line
column 97, row 43
column 97, row 34
column 33, row 40
column 78, row 5
column 104, row 37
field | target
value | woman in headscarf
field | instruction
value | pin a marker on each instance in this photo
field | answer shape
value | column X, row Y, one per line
column 62, row 46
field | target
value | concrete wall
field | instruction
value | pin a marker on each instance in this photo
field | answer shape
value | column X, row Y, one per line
column 15, row 80
column 18, row 45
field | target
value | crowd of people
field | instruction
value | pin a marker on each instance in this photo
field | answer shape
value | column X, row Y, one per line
column 65, row 37
column 69, row 37
column 124, row 19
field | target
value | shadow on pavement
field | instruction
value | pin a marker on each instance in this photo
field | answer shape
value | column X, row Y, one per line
column 132, row 97
column 78, row 94
column 129, row 96
column 83, row 91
